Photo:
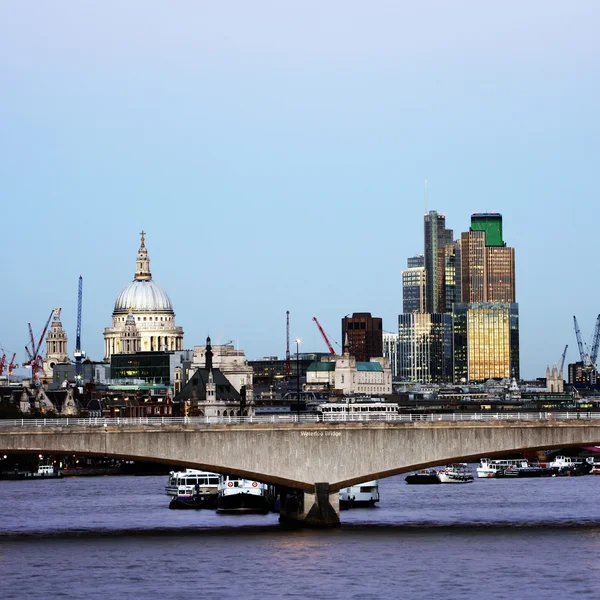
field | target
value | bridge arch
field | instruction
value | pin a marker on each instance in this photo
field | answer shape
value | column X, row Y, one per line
column 300, row 455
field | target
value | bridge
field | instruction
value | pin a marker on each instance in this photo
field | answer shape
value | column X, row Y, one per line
column 305, row 453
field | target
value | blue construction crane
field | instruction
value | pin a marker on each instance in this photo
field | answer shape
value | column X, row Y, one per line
column 79, row 354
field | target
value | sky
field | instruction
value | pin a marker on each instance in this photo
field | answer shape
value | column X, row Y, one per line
column 276, row 152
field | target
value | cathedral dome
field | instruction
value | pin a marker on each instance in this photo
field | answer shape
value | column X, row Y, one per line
column 143, row 296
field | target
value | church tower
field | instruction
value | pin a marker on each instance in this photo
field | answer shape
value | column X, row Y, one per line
column 56, row 346
column 130, row 336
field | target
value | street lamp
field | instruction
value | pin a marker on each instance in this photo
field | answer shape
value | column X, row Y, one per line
column 298, row 379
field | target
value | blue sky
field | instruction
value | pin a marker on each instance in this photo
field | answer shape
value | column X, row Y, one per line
column 275, row 154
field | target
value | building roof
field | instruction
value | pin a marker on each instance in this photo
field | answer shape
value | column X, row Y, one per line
column 369, row 366
column 321, row 366
column 195, row 388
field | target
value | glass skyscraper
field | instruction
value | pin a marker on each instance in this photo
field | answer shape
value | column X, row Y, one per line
column 436, row 239
column 425, row 347
column 486, row 341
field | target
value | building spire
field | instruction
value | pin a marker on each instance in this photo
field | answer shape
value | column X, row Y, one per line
column 209, row 355
column 142, row 272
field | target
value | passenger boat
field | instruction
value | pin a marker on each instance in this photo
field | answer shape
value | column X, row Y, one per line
column 456, row 473
column 244, row 496
column 363, row 495
column 489, row 467
column 192, row 489
column 423, row 477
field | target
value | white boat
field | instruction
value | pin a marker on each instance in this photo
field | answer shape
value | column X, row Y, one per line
column 560, row 462
column 456, row 473
column 244, row 496
column 489, row 467
column 571, row 465
column 192, row 484
column 364, row 494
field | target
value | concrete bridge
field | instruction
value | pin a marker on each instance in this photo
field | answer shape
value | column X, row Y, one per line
column 318, row 458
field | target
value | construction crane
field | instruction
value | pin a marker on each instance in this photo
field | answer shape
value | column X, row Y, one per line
column 79, row 354
column 331, row 350
column 288, row 362
column 562, row 360
column 36, row 362
column 9, row 366
column 595, row 342
column 588, row 359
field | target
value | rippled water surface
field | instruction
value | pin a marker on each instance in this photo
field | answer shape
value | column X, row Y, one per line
column 115, row 537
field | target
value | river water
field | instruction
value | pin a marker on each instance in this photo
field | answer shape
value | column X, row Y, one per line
column 114, row 537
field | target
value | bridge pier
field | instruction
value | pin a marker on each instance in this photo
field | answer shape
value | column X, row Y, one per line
column 318, row 510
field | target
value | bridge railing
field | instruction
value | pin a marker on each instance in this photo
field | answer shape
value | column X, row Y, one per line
column 341, row 417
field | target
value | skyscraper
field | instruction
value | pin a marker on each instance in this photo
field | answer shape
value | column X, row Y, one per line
column 487, row 263
column 486, row 322
column 413, row 290
column 436, row 239
column 425, row 347
column 486, row 341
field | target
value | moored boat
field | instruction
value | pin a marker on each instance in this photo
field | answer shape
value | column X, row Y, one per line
column 423, row 477
column 490, row 467
column 43, row 472
column 192, row 489
column 244, row 496
column 568, row 465
column 456, row 473
column 363, row 495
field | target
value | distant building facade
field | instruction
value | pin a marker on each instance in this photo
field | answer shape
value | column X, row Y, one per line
column 364, row 335
column 231, row 362
column 425, row 347
column 437, row 237
column 345, row 376
column 486, row 341
column 390, row 351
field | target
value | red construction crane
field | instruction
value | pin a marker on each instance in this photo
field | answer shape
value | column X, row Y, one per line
column 36, row 362
column 331, row 350
column 12, row 365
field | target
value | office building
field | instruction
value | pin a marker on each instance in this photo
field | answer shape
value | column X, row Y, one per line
column 425, row 347
column 487, row 263
column 390, row 351
column 486, row 341
column 364, row 335
column 436, row 239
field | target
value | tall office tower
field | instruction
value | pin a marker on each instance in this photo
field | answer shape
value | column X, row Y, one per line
column 487, row 263
column 486, row 341
column 425, row 347
column 436, row 239
column 452, row 279
column 365, row 336
column 486, row 323
column 390, row 350
column 413, row 290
